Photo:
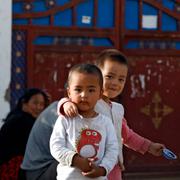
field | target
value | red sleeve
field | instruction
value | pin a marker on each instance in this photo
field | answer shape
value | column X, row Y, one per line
column 134, row 141
column 60, row 110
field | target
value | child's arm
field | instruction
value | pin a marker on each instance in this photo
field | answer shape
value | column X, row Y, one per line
column 60, row 151
column 138, row 143
column 67, row 108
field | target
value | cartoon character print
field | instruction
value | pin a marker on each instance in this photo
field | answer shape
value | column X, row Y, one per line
column 88, row 143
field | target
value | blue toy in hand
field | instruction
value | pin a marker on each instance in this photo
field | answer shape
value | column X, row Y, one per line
column 169, row 154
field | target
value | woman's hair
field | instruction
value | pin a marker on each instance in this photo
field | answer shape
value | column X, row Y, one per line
column 25, row 99
column 86, row 69
column 112, row 55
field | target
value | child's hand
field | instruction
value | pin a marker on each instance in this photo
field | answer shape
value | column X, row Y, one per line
column 96, row 171
column 70, row 109
column 81, row 163
column 156, row 149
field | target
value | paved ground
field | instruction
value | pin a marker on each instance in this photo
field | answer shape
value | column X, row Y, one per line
column 152, row 176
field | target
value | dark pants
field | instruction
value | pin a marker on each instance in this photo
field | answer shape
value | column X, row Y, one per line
column 47, row 173
column 21, row 174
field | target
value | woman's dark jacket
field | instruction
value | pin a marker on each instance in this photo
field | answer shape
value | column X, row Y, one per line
column 14, row 135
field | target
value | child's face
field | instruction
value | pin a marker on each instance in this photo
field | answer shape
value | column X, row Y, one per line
column 84, row 90
column 114, row 76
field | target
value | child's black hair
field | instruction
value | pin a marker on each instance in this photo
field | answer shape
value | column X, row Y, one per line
column 88, row 69
column 112, row 55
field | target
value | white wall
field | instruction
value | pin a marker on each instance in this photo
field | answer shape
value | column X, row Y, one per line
column 5, row 54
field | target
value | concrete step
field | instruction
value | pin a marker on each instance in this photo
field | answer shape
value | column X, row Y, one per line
column 152, row 176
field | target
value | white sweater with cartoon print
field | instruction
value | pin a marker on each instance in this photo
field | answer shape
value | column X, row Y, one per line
column 89, row 137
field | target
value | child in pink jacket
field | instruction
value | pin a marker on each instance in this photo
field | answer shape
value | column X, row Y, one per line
column 114, row 68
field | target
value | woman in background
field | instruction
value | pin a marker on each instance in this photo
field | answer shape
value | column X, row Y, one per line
column 15, row 131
